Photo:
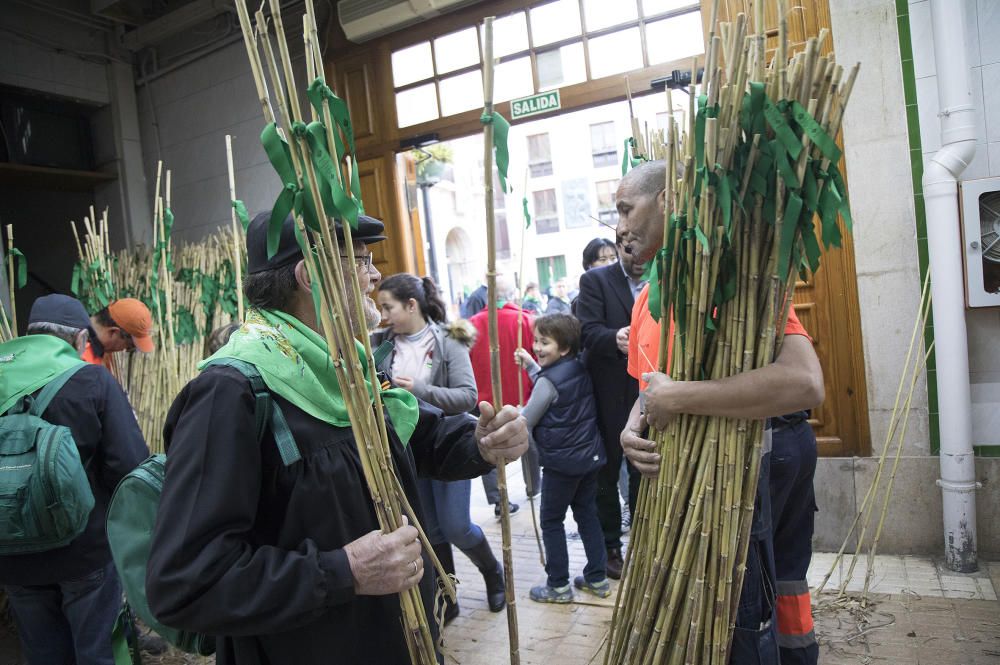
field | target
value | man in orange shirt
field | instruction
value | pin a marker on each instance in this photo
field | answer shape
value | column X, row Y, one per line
column 793, row 382
column 123, row 325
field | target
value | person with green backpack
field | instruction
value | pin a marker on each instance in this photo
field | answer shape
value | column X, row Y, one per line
column 270, row 542
column 67, row 436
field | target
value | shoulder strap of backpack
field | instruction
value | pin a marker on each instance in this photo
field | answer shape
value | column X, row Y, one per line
column 40, row 403
column 266, row 410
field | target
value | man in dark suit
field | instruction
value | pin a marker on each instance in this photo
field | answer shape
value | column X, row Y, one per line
column 604, row 308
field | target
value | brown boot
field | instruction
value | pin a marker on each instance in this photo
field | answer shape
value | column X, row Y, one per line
column 615, row 563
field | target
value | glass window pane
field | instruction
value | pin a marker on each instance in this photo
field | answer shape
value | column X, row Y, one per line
column 561, row 66
column 606, row 194
column 600, row 14
column 461, row 93
column 457, row 50
column 512, row 80
column 615, row 53
column 653, row 7
column 510, row 35
column 555, row 21
column 412, row 64
column 675, row 38
column 416, row 105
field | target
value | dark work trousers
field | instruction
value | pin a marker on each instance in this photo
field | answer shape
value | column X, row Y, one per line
column 609, row 507
column 755, row 640
column 793, row 511
column 559, row 493
column 68, row 622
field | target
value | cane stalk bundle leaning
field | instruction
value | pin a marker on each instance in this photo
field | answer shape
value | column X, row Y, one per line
column 912, row 368
column 318, row 160
column 743, row 186
column 196, row 279
column 8, row 323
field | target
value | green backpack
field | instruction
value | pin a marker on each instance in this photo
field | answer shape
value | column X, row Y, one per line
column 132, row 516
column 45, row 497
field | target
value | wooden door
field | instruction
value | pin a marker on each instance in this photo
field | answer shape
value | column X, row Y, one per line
column 827, row 304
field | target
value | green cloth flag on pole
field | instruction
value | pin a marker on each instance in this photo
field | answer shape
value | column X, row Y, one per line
column 22, row 266
column 500, row 130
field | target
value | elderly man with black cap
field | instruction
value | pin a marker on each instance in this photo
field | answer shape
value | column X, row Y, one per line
column 65, row 599
column 285, row 563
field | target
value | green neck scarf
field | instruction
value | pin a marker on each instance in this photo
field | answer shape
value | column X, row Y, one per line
column 28, row 363
column 294, row 362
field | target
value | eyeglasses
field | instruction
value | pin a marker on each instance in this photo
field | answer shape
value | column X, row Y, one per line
column 361, row 261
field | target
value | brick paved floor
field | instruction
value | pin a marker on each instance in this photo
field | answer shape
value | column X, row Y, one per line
column 919, row 614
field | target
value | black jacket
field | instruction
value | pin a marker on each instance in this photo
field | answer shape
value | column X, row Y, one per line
column 475, row 303
column 603, row 307
column 252, row 551
column 104, row 428
column 568, row 439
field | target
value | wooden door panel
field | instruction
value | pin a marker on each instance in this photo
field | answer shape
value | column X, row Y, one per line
column 378, row 192
column 827, row 303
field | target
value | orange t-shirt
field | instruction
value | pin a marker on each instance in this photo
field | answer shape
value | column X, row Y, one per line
column 91, row 357
column 644, row 338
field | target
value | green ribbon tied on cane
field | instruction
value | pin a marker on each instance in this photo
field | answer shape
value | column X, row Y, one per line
column 527, row 215
column 346, row 201
column 501, row 128
column 657, row 269
column 628, row 158
column 22, row 266
column 168, row 224
column 280, row 155
column 338, row 201
column 240, row 209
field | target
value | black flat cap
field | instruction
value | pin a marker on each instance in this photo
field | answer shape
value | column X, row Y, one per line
column 59, row 309
column 370, row 231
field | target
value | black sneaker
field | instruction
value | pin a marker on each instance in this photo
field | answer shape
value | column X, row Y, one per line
column 513, row 509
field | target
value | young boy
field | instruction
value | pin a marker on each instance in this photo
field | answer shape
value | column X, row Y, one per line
column 562, row 416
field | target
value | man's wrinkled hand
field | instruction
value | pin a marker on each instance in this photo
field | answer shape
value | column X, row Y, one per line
column 501, row 435
column 621, row 339
column 385, row 563
column 639, row 451
column 658, row 399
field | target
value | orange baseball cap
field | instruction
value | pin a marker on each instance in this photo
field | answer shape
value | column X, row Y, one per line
column 134, row 317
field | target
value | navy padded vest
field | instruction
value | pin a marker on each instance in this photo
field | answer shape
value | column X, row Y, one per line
column 568, row 439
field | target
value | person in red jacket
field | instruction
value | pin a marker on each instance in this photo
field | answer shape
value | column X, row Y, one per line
column 507, row 323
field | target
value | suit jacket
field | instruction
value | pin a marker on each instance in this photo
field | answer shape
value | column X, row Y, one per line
column 603, row 307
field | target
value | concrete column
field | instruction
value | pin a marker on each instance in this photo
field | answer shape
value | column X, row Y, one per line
column 130, row 211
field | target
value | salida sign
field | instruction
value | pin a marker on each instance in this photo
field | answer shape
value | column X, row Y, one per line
column 540, row 103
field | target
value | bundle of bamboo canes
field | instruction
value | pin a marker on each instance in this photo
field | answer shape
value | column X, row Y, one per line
column 885, row 477
column 757, row 165
column 8, row 322
column 317, row 163
column 190, row 290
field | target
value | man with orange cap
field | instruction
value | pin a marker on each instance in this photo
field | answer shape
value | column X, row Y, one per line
column 123, row 325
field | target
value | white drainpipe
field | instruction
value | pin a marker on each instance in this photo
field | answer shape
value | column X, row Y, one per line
column 958, row 146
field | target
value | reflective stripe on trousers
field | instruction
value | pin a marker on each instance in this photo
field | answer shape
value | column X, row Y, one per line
column 795, row 622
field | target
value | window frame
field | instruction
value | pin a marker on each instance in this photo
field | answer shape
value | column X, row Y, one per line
column 548, row 217
column 532, row 51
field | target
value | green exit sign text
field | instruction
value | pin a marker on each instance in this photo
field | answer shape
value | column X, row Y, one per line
column 540, row 103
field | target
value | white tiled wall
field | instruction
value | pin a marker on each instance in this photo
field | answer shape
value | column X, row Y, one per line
column 983, row 48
